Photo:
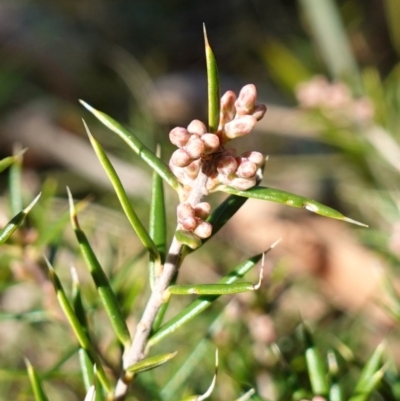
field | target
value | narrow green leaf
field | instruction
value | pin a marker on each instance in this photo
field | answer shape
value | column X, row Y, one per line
column 287, row 198
column 247, row 395
column 15, row 184
column 363, row 394
column 335, row 389
column 8, row 161
column 79, row 331
column 368, row 372
column 212, row 86
column 158, row 223
column 16, row 221
column 144, row 153
column 77, row 303
column 188, row 238
column 315, row 365
column 150, row 362
column 35, row 382
column 100, row 279
column 86, row 368
column 204, row 301
column 137, row 225
column 215, row 289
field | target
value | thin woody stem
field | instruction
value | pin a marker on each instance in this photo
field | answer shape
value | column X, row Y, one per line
column 171, row 266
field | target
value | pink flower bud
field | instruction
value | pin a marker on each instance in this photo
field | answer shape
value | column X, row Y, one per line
column 246, row 169
column 184, row 210
column 179, row 136
column 258, row 111
column 203, row 230
column 227, row 165
column 255, row 157
column 195, row 148
column 243, row 183
column 180, row 158
column 202, row 210
column 228, row 109
column 239, row 126
column 189, row 224
column 211, row 143
column 197, row 127
column 192, row 169
column 245, row 102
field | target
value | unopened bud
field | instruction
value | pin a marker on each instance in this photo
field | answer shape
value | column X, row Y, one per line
column 255, row 157
column 211, row 143
column 192, row 169
column 245, row 102
column 180, row 158
column 203, row 230
column 243, row 183
column 246, row 169
column 179, row 136
column 197, row 127
column 239, row 126
column 228, row 109
column 227, row 165
column 189, row 224
column 202, row 210
column 258, row 111
column 195, row 148
column 184, row 210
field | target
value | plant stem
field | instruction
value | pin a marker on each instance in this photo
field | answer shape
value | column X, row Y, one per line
column 143, row 329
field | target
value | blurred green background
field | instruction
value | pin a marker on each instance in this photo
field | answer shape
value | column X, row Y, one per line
column 142, row 62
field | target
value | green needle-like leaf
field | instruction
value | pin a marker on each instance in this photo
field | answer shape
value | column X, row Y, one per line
column 287, row 198
column 137, row 225
column 35, row 383
column 315, row 365
column 204, row 301
column 144, row 153
column 150, row 362
column 100, row 279
column 15, row 184
column 368, row 375
column 86, row 368
column 8, row 161
column 15, row 222
column 212, row 86
column 79, row 331
column 158, row 224
column 77, row 302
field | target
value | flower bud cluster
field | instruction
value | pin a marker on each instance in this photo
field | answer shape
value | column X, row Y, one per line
column 201, row 151
column 193, row 218
column 335, row 97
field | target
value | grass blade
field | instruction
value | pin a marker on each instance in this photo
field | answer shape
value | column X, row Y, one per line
column 315, row 365
column 137, row 225
column 15, row 183
column 79, row 331
column 212, row 86
column 287, row 198
column 144, row 153
column 8, row 161
column 369, row 374
column 150, row 362
column 100, row 279
column 16, row 221
column 86, row 368
column 203, row 302
column 35, row 382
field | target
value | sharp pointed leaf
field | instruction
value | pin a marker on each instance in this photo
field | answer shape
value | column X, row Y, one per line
column 8, row 161
column 137, row 225
column 287, row 198
column 150, row 362
column 134, row 143
column 15, row 222
column 107, row 296
column 35, row 383
column 213, row 86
